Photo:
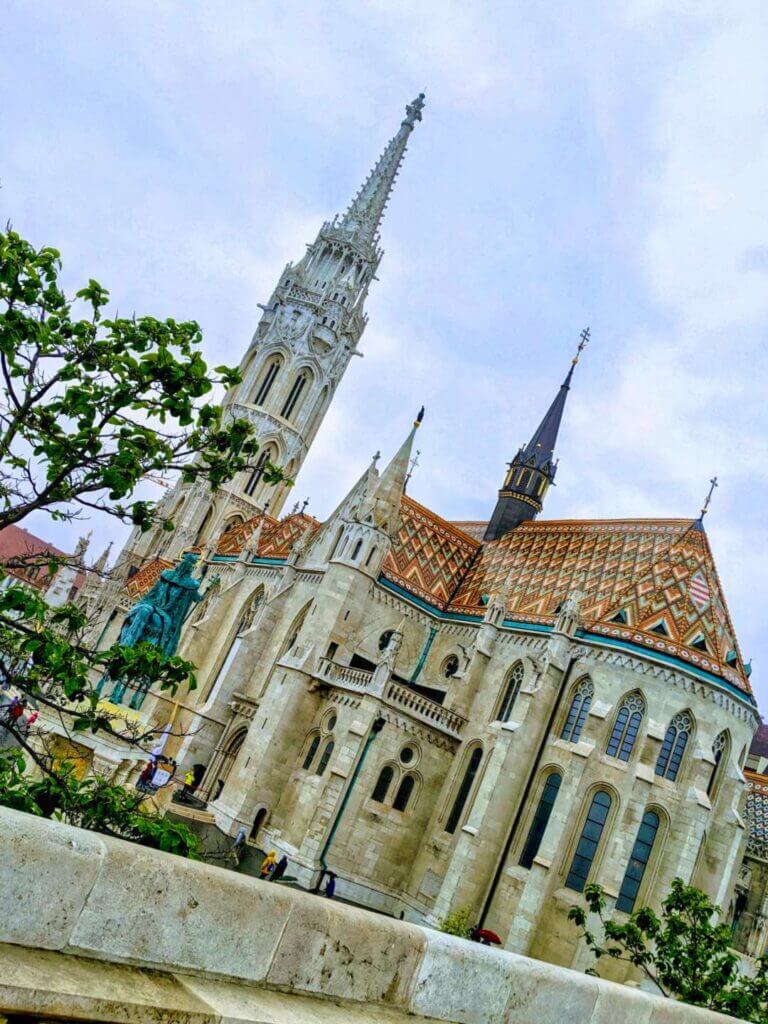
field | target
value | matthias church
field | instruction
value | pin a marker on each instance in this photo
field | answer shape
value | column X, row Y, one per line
column 448, row 715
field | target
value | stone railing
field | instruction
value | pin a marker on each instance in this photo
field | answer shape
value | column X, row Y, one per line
column 426, row 710
column 97, row 929
column 342, row 675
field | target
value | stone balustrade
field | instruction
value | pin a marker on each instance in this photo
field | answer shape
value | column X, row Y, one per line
column 97, row 929
column 342, row 675
column 426, row 710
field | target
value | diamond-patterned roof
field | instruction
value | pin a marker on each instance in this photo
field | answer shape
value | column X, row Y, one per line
column 757, row 813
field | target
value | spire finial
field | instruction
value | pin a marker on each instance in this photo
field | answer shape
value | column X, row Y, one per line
column 584, row 339
column 304, row 505
column 413, row 464
column 705, row 506
column 417, row 422
column 413, row 110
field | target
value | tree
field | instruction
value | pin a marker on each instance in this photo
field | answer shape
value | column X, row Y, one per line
column 91, row 405
column 685, row 952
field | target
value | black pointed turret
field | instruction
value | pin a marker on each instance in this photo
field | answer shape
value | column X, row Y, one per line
column 531, row 471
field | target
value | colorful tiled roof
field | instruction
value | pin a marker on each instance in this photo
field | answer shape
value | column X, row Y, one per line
column 649, row 582
column 18, row 545
column 146, row 577
column 277, row 543
column 430, row 556
column 757, row 814
column 232, row 543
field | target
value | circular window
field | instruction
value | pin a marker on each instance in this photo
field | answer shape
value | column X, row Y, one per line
column 330, row 723
column 384, row 639
column 450, row 666
column 406, row 755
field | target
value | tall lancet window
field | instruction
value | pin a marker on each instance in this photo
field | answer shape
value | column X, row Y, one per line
column 577, row 713
column 255, row 478
column 512, row 686
column 268, row 379
column 672, row 749
column 465, row 788
column 294, row 395
column 626, row 727
column 720, row 753
column 245, row 623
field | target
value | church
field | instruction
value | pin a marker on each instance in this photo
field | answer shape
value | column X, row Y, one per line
column 450, row 716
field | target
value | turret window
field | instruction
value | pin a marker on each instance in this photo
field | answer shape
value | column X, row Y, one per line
column 292, row 400
column 589, row 841
column 673, row 747
column 638, row 862
column 511, row 689
column 540, row 819
column 577, row 713
column 255, row 478
column 626, row 727
column 267, row 381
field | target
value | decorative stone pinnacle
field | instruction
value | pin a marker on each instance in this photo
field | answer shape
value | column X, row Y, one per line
column 413, row 110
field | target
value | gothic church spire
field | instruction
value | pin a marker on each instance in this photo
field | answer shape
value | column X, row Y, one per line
column 533, row 469
column 364, row 214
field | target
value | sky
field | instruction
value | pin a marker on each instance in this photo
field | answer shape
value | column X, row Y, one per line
column 600, row 164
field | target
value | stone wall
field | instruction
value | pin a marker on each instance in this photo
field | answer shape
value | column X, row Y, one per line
column 96, row 929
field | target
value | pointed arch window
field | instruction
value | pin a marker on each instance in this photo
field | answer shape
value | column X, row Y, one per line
column 311, row 751
column 719, row 752
column 638, row 862
column 294, row 395
column 577, row 713
column 404, row 791
column 589, row 841
column 245, row 623
column 540, row 819
column 460, row 801
column 356, row 550
column 255, row 478
column 672, row 749
column 325, row 757
column 383, row 783
column 512, row 686
column 270, row 374
column 626, row 727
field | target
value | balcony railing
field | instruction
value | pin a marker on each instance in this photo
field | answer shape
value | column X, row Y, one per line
column 426, row 710
column 342, row 675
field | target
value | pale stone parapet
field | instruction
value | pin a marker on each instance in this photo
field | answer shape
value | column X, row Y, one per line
column 94, row 928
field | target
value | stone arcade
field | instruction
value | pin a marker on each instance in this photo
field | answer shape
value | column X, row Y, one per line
column 479, row 715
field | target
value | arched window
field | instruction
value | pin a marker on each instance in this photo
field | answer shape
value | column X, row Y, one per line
column 626, row 727
column 336, row 542
column 325, row 757
column 204, row 526
column 403, row 794
column 294, row 394
column 255, row 478
column 638, row 862
column 589, row 841
column 540, row 819
column 673, row 747
column 384, row 639
column 383, row 783
column 267, row 381
column 371, row 553
column 720, row 754
column 356, row 550
column 464, row 790
column 511, row 689
column 577, row 713
column 258, row 821
column 311, row 751
column 293, row 633
column 450, row 666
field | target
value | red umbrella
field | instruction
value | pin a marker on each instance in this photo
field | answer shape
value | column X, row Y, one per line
column 486, row 936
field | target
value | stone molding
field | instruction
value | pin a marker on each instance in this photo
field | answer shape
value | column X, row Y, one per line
column 113, row 931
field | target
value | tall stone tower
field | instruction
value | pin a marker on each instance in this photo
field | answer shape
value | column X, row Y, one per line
column 309, row 330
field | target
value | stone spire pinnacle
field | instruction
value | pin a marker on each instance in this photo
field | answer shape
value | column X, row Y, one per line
column 364, row 214
column 391, row 485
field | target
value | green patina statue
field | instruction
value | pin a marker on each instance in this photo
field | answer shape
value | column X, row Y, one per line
column 157, row 618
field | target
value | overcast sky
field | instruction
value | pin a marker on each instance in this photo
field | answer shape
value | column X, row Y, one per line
column 601, row 163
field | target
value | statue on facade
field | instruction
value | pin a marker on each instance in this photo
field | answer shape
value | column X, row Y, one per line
column 157, row 618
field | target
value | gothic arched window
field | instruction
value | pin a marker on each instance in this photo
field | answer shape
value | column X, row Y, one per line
column 638, row 862
column 356, row 550
column 464, row 790
column 589, row 841
column 268, row 379
column 403, row 794
column 244, row 624
column 673, row 747
column 577, row 713
column 311, row 751
column 719, row 752
column 512, row 686
column 383, row 783
column 626, row 727
column 325, row 757
column 540, row 819
column 255, row 478
column 295, row 394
